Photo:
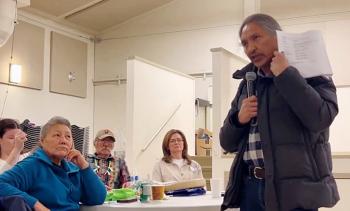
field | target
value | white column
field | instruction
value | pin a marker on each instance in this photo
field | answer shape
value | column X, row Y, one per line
column 224, row 89
column 251, row 7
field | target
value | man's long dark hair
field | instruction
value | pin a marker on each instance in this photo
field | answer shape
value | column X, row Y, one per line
column 265, row 21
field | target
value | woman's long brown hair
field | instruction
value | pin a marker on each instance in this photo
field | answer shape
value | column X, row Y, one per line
column 165, row 146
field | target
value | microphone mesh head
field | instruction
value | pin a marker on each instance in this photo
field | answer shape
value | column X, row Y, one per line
column 250, row 76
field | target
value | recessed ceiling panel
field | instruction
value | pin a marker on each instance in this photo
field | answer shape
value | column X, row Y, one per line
column 113, row 12
column 56, row 7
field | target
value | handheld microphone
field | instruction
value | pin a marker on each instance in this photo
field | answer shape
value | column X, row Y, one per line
column 250, row 78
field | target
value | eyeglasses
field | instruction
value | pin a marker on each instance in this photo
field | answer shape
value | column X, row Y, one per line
column 105, row 142
column 173, row 141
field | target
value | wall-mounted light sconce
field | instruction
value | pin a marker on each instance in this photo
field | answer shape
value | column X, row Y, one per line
column 15, row 73
column 71, row 76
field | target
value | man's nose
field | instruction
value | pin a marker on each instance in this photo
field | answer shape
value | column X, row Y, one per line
column 250, row 48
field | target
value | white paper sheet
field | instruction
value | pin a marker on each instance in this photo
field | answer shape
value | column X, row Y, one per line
column 306, row 52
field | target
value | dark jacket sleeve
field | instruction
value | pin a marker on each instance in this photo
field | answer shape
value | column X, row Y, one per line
column 232, row 131
column 314, row 101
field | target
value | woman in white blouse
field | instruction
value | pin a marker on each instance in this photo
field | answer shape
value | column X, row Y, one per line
column 11, row 143
column 176, row 164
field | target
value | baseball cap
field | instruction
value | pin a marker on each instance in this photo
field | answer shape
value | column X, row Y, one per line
column 104, row 134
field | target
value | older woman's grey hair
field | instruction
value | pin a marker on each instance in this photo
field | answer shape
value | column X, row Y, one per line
column 265, row 21
column 57, row 120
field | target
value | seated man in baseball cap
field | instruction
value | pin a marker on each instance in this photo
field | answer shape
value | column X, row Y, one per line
column 112, row 171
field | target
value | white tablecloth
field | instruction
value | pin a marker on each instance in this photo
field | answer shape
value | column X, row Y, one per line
column 190, row 203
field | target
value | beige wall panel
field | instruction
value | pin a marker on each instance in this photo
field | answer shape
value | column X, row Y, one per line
column 28, row 51
column 68, row 55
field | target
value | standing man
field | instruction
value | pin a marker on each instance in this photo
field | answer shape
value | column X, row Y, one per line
column 280, row 134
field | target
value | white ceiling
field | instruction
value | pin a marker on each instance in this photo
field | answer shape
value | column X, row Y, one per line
column 92, row 16
column 284, row 9
column 97, row 16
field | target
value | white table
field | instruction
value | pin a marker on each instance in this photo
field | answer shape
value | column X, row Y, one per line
column 190, row 203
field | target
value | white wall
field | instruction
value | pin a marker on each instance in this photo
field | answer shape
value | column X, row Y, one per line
column 178, row 35
column 110, row 110
column 339, row 137
column 224, row 90
column 187, row 51
column 158, row 99
column 40, row 105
